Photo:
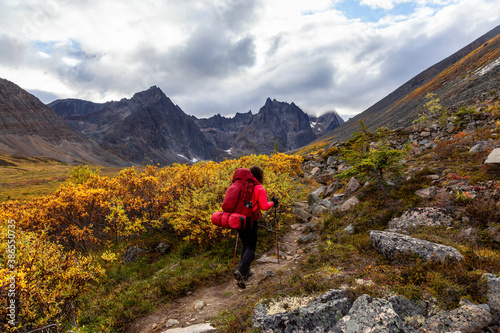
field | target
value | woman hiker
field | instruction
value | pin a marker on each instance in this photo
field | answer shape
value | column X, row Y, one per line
column 248, row 235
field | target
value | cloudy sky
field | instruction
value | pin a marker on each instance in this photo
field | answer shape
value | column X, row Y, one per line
column 228, row 56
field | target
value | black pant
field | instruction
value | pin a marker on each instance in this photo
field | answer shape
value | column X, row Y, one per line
column 248, row 238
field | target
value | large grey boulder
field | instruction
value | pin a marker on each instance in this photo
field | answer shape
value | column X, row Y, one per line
column 391, row 244
column 420, row 217
column 408, row 308
column 492, row 163
column 493, row 294
column 301, row 215
column 321, row 315
column 307, row 238
column 351, row 202
column 351, row 187
column 314, row 197
column 479, row 147
column 373, row 315
column 465, row 319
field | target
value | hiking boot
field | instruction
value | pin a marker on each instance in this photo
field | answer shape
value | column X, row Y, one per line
column 247, row 275
column 239, row 279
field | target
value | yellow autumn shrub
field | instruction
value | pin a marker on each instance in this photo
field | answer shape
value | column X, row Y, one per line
column 84, row 216
column 43, row 281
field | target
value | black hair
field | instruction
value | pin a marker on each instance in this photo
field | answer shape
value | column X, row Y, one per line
column 258, row 173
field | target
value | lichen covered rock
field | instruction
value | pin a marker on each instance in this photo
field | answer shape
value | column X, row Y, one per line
column 466, row 319
column 321, row 315
column 391, row 244
column 417, row 217
column 372, row 315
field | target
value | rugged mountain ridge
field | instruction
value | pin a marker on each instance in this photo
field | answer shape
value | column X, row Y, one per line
column 277, row 122
column 29, row 128
column 223, row 130
column 150, row 129
column 146, row 129
column 460, row 79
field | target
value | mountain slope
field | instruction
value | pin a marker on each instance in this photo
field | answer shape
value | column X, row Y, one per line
column 29, row 128
column 455, row 79
column 222, row 131
column 147, row 129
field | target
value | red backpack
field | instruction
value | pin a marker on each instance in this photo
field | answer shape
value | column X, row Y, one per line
column 237, row 204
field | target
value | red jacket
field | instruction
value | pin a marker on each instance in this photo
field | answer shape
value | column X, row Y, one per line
column 259, row 201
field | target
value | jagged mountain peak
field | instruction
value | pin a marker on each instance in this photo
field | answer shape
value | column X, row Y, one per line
column 278, row 108
column 152, row 95
column 146, row 129
column 257, row 133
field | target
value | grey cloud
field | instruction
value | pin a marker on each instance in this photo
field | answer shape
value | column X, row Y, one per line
column 302, row 76
column 209, row 52
column 239, row 13
column 13, row 51
column 275, row 45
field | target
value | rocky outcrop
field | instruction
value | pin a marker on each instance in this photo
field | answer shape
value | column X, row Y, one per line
column 351, row 187
column 409, row 309
column 420, row 217
column 372, row 315
column 493, row 294
column 332, row 312
column 348, row 204
column 391, row 245
column 492, row 163
column 468, row 318
column 319, row 316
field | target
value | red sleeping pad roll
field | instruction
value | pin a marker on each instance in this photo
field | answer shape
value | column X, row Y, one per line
column 229, row 220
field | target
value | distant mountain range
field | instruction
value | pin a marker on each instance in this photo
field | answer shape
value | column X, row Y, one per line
column 463, row 78
column 277, row 124
column 150, row 129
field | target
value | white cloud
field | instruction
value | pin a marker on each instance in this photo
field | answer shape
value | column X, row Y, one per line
column 384, row 4
column 228, row 56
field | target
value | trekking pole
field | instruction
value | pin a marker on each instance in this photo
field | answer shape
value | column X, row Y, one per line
column 235, row 248
column 276, row 223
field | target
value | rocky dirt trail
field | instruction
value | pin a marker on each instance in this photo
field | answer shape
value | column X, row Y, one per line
column 205, row 303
